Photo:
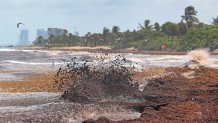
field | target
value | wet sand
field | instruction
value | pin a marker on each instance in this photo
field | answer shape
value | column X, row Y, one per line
column 174, row 98
column 34, row 98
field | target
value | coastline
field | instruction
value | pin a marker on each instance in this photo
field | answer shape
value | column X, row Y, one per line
column 106, row 49
column 170, row 97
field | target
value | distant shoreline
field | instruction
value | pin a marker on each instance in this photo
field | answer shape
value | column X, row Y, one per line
column 105, row 49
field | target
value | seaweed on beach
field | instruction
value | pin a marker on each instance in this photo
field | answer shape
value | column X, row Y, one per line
column 85, row 81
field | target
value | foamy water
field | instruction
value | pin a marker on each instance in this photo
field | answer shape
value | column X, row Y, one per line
column 38, row 61
column 31, row 63
column 29, row 59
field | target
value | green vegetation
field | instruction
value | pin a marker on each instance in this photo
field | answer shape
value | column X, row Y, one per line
column 206, row 36
column 188, row 34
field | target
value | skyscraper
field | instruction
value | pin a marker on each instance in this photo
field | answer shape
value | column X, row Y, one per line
column 55, row 31
column 43, row 33
column 76, row 33
column 24, row 37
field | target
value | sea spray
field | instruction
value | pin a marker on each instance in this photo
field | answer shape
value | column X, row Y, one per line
column 199, row 57
column 85, row 82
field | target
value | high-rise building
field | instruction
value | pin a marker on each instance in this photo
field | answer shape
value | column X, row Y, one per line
column 76, row 33
column 24, row 37
column 43, row 33
column 55, row 31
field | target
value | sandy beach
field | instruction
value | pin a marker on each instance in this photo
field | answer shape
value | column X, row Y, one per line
column 171, row 92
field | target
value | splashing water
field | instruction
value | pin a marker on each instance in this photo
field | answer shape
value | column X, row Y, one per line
column 200, row 57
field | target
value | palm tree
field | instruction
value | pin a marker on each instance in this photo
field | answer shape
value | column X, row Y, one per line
column 106, row 31
column 157, row 26
column 115, row 29
column 65, row 32
column 147, row 24
column 171, row 29
column 190, row 16
column 215, row 20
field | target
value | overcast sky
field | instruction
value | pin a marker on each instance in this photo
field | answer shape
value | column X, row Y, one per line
column 93, row 15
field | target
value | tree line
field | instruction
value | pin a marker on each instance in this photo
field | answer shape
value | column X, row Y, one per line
column 187, row 34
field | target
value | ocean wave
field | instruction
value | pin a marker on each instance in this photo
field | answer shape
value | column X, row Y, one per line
column 31, row 63
column 5, row 49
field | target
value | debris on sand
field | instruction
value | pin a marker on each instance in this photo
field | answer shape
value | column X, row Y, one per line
column 183, row 94
column 86, row 82
column 176, row 98
column 189, row 75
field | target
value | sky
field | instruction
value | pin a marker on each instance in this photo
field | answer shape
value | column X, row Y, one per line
column 92, row 15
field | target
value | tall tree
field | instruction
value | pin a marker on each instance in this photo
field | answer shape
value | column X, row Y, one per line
column 171, row 29
column 215, row 20
column 94, row 38
column 70, row 35
column 87, row 38
column 51, row 39
column 190, row 16
column 147, row 24
column 39, row 41
column 106, row 31
column 182, row 28
column 157, row 26
column 65, row 32
column 115, row 29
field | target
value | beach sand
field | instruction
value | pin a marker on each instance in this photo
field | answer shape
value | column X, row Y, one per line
column 175, row 94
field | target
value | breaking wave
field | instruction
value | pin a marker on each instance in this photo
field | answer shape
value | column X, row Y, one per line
column 30, row 63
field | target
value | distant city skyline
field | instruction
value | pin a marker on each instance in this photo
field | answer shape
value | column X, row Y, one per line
column 24, row 37
column 42, row 32
column 93, row 15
